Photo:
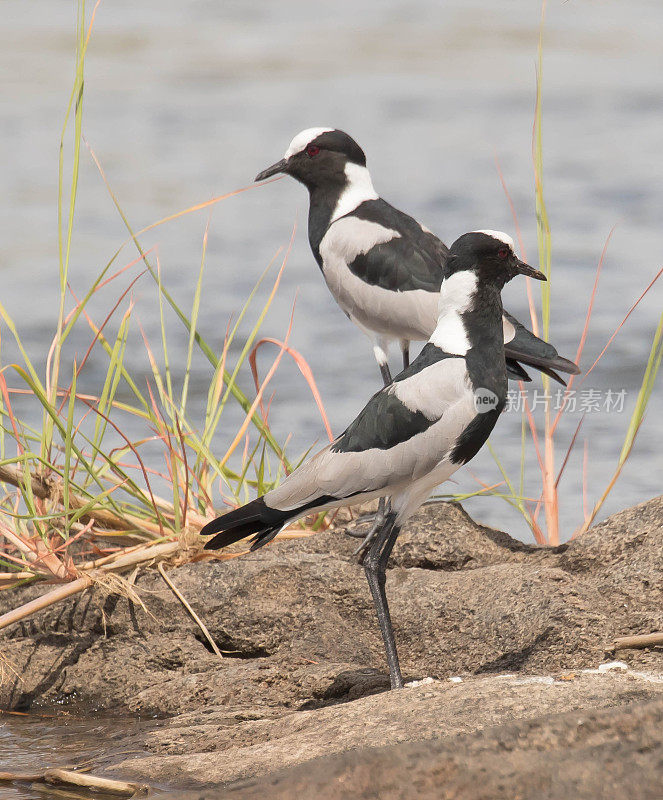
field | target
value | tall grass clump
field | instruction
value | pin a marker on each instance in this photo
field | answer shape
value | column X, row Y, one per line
column 542, row 513
column 82, row 500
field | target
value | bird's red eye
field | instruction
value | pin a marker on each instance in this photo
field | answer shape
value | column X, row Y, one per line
column 312, row 150
column 503, row 252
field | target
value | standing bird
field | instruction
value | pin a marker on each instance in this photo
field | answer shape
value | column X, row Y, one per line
column 383, row 268
column 415, row 432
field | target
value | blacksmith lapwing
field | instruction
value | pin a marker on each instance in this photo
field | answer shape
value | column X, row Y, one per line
column 415, row 432
column 383, row 267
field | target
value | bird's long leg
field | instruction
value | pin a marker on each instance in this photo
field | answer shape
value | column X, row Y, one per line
column 405, row 350
column 375, row 566
column 381, row 353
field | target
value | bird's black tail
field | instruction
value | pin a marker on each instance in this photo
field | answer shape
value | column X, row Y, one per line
column 526, row 348
column 514, row 370
column 255, row 519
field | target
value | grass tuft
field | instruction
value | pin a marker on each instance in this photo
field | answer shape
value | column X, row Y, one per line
column 81, row 501
column 547, row 531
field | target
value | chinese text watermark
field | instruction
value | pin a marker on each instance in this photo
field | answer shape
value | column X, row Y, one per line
column 582, row 401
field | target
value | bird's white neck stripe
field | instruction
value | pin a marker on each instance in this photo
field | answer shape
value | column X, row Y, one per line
column 456, row 296
column 358, row 189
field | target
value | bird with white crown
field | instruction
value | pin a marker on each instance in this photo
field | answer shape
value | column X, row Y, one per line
column 384, row 268
column 415, row 432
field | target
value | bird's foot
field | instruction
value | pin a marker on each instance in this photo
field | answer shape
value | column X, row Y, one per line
column 363, row 520
column 376, row 527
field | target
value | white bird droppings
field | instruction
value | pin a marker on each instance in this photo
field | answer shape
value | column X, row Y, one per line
column 612, row 665
column 422, row 682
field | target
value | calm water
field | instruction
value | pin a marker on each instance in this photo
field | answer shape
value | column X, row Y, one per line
column 186, row 101
column 28, row 744
column 189, row 101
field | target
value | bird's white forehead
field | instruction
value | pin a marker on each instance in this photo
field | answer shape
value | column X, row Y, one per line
column 500, row 236
column 302, row 139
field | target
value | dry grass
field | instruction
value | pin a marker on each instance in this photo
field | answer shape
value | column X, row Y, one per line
column 80, row 502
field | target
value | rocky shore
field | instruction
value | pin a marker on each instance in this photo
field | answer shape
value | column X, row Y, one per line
column 507, row 647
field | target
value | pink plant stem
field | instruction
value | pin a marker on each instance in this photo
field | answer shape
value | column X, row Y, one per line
column 550, row 485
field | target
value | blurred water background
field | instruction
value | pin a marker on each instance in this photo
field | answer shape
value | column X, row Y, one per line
column 188, row 100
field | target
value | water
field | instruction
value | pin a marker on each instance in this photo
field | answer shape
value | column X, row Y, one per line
column 189, row 100
column 29, row 744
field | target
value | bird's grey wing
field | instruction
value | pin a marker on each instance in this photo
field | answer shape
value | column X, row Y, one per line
column 398, row 266
column 402, row 433
column 523, row 346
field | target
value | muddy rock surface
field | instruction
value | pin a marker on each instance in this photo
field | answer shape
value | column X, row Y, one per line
column 585, row 755
column 297, row 627
column 514, row 712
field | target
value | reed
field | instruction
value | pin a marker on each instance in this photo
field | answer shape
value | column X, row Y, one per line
column 82, row 501
column 542, row 512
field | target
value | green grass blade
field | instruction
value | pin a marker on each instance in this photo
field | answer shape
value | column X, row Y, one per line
column 194, row 322
column 644, row 394
column 204, row 347
column 68, row 442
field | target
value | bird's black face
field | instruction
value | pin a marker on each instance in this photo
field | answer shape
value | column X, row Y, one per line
column 318, row 157
column 491, row 255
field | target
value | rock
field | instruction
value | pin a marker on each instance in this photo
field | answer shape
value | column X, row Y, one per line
column 298, row 625
column 300, row 637
column 210, row 748
column 440, row 536
column 607, row 753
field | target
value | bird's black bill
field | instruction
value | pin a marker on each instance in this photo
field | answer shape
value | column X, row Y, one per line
column 273, row 170
column 525, row 269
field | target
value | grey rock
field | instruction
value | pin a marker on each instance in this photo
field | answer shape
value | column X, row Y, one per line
column 297, row 625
